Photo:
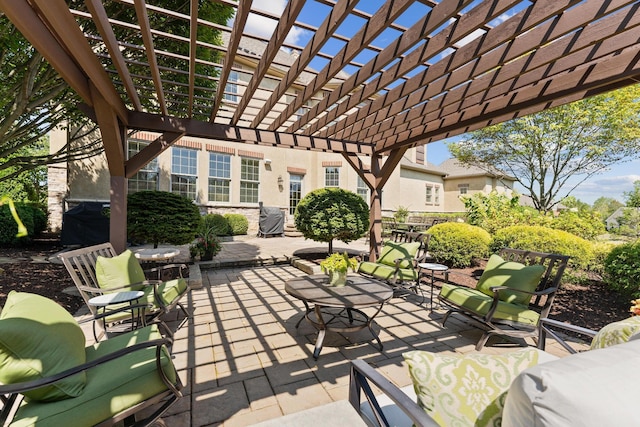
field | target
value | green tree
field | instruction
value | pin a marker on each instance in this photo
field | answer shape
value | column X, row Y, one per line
column 544, row 151
column 34, row 99
column 161, row 217
column 326, row 214
column 605, row 206
column 632, row 198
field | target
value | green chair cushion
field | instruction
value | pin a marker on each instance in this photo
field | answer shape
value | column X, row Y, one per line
column 169, row 291
column 616, row 333
column 385, row 272
column 466, row 390
column 392, row 251
column 111, row 387
column 120, row 270
column 514, row 275
column 479, row 303
column 39, row 338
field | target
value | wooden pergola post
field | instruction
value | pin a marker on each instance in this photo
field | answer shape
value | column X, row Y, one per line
column 376, row 176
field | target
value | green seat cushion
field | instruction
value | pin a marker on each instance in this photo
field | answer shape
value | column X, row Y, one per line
column 169, row 291
column 392, row 251
column 120, row 270
column 616, row 333
column 39, row 338
column 385, row 272
column 111, row 387
column 514, row 275
column 478, row 303
column 466, row 390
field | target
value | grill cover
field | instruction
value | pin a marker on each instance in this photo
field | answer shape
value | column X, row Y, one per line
column 271, row 221
column 85, row 225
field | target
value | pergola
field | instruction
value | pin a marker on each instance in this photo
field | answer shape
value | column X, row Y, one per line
column 394, row 74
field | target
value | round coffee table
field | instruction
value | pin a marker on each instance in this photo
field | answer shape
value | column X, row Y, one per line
column 338, row 309
column 114, row 298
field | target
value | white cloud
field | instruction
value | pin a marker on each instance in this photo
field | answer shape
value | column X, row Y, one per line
column 264, row 27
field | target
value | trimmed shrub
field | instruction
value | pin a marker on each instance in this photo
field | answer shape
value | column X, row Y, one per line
column 622, row 269
column 218, row 223
column 239, row 223
column 582, row 224
column 332, row 213
column 543, row 239
column 33, row 218
column 457, row 244
column 161, row 217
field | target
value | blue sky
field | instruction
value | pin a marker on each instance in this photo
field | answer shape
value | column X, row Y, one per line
column 612, row 183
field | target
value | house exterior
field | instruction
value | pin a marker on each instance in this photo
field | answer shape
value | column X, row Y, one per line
column 461, row 180
column 223, row 176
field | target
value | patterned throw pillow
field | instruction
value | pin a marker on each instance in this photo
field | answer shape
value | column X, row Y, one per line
column 616, row 333
column 466, row 390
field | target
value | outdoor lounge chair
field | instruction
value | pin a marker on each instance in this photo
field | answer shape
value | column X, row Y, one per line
column 49, row 377
column 97, row 270
column 398, row 261
column 516, row 289
column 522, row 388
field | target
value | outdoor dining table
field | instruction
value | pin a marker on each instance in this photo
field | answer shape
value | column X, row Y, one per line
column 339, row 309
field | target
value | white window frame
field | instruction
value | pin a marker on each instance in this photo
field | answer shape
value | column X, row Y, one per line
column 219, row 178
column 147, row 178
column 249, row 183
column 463, row 189
column 184, row 174
column 332, row 176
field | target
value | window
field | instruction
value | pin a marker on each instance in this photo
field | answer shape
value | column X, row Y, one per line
column 231, row 89
column 184, row 171
column 436, row 197
column 219, row 177
column 249, row 180
column 463, row 189
column 147, row 177
column 332, row 177
column 362, row 189
column 295, row 192
column 429, row 194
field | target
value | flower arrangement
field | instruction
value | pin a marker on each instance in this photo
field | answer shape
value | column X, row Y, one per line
column 339, row 262
column 206, row 246
column 336, row 266
column 635, row 308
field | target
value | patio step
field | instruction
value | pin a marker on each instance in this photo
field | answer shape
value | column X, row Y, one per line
column 290, row 230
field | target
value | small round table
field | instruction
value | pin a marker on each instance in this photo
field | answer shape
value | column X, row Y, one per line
column 156, row 254
column 433, row 267
column 113, row 298
column 360, row 292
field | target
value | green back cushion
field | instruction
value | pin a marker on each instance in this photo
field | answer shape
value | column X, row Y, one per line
column 392, row 251
column 39, row 338
column 514, row 275
column 120, row 270
column 465, row 390
column 616, row 333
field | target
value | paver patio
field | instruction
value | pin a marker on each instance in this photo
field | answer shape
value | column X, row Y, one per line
column 243, row 361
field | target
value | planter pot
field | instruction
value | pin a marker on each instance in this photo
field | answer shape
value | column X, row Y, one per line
column 337, row 278
column 206, row 256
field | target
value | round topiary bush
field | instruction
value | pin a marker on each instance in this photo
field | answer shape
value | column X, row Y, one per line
column 543, row 239
column 622, row 269
column 457, row 244
column 332, row 213
column 217, row 223
column 161, row 217
column 239, row 223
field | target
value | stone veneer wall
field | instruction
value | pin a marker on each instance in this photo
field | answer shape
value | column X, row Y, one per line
column 57, row 183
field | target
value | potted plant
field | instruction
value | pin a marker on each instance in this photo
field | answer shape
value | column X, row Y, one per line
column 206, row 246
column 336, row 266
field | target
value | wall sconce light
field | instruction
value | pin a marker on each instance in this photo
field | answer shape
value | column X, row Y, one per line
column 280, row 181
column 267, row 162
